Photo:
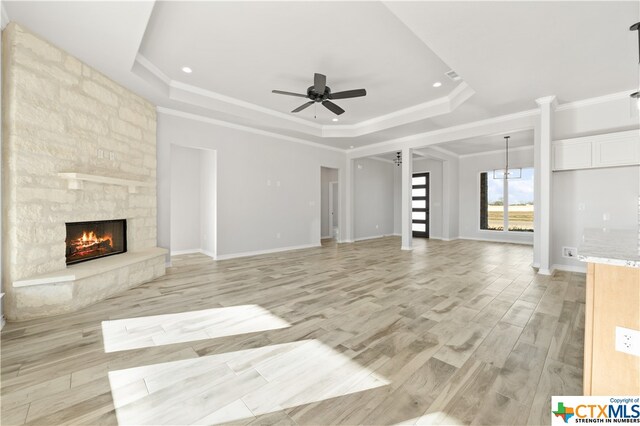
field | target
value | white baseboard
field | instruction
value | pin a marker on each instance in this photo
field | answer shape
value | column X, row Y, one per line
column 2, row 323
column 545, row 271
column 192, row 251
column 496, row 240
column 189, row 251
column 535, row 265
column 268, row 251
column 208, row 253
column 345, row 241
column 406, row 248
column 569, row 268
column 325, row 237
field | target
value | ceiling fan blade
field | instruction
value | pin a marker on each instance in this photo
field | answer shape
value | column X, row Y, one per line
column 348, row 94
column 319, row 83
column 303, row 106
column 332, row 107
column 281, row 92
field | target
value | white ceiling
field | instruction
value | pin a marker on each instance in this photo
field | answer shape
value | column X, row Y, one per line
column 509, row 54
column 246, row 49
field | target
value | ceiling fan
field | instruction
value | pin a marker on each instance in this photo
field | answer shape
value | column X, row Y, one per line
column 320, row 92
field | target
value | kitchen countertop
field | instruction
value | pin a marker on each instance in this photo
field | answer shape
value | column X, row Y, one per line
column 619, row 247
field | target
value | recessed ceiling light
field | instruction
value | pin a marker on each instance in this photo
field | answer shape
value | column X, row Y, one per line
column 334, row 119
column 437, row 84
column 187, row 70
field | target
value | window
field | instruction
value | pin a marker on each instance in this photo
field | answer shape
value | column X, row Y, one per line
column 507, row 203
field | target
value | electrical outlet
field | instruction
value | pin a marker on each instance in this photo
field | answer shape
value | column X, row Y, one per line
column 569, row 252
column 100, row 153
column 112, row 155
column 278, row 235
column 628, row 341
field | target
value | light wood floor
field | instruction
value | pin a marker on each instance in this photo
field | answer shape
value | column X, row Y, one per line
column 453, row 332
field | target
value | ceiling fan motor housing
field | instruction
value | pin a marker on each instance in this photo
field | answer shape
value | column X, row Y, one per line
column 317, row 97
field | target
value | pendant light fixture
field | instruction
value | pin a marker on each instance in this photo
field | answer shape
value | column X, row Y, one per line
column 635, row 97
column 507, row 173
column 398, row 159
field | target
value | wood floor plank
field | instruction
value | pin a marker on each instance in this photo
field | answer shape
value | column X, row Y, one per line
column 363, row 333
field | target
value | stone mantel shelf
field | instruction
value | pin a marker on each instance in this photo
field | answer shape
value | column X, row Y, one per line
column 76, row 179
column 94, row 267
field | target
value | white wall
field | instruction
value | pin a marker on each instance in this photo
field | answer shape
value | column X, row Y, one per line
column 470, row 168
column 434, row 167
column 327, row 176
column 581, row 198
column 208, row 202
column 265, row 185
column 186, row 196
column 373, row 198
column 594, row 119
column 612, row 190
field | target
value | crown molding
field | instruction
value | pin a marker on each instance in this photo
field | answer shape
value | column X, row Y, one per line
column 440, row 106
column 194, row 95
column 222, row 123
column 447, row 130
column 547, row 100
column 150, row 66
column 595, row 101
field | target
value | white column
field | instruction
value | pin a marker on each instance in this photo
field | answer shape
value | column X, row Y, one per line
column 446, row 201
column 542, row 153
column 346, row 232
column 407, row 166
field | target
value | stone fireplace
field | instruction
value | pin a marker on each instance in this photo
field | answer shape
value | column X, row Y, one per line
column 79, row 151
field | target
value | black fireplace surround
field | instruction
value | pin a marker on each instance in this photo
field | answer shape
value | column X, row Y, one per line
column 92, row 240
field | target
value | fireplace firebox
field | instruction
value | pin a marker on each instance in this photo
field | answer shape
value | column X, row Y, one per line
column 91, row 240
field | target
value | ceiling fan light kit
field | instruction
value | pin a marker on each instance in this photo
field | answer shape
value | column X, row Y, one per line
column 321, row 93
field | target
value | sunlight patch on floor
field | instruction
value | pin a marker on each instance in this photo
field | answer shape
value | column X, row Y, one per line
column 237, row 385
column 158, row 330
column 436, row 418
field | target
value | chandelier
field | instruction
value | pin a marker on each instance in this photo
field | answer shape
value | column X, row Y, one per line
column 507, row 173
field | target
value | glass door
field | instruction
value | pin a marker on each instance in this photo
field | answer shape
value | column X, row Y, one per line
column 420, row 205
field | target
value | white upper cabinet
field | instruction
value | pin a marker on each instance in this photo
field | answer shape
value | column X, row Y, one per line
column 569, row 155
column 608, row 150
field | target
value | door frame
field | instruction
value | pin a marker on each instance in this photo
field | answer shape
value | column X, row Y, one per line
column 331, row 207
column 427, row 210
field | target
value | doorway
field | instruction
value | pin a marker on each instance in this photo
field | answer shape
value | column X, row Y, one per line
column 420, row 205
column 333, row 209
column 329, row 203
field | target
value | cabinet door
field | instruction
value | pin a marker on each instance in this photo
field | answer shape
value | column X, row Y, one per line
column 569, row 155
column 616, row 152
